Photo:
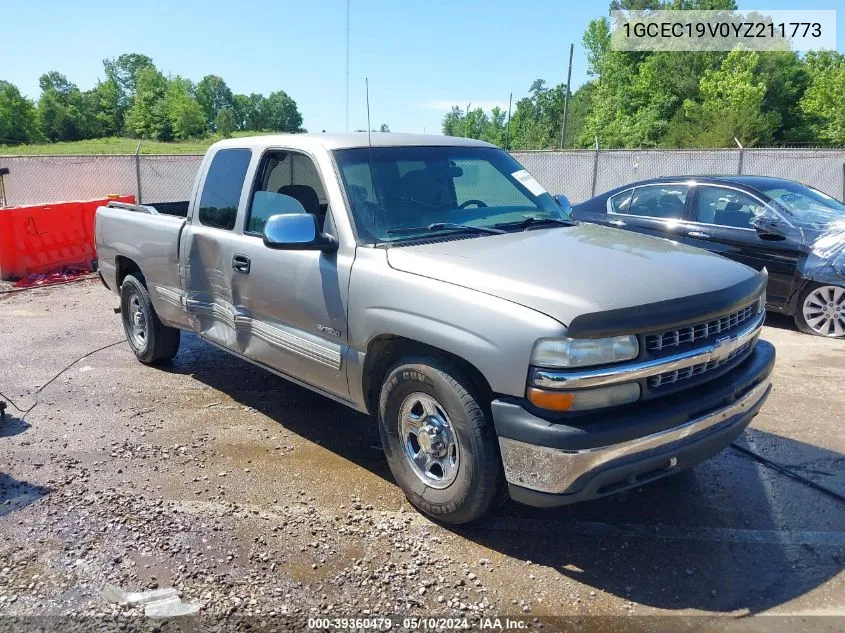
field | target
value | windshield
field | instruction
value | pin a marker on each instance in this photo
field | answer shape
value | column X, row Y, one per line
column 807, row 205
column 400, row 193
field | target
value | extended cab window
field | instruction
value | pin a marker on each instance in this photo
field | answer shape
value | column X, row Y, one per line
column 726, row 207
column 288, row 182
column 659, row 201
column 221, row 191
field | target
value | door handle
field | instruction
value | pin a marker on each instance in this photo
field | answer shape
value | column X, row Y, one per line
column 241, row 264
column 700, row 234
column 616, row 222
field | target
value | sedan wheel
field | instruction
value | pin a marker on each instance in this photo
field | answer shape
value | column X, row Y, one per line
column 823, row 310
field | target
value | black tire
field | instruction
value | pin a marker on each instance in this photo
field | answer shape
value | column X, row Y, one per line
column 160, row 342
column 478, row 485
column 800, row 321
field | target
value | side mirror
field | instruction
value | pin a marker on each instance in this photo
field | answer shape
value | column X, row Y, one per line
column 564, row 203
column 296, row 232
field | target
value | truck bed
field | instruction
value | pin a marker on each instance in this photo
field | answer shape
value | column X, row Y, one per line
column 139, row 236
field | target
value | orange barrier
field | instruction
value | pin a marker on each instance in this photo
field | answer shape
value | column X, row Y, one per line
column 44, row 238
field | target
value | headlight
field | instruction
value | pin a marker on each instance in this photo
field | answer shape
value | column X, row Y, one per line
column 574, row 352
column 761, row 303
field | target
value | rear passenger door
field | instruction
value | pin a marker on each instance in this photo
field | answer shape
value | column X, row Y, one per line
column 654, row 209
column 210, row 248
column 720, row 221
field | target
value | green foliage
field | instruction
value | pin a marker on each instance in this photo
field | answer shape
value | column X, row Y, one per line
column 213, row 96
column 186, row 116
column 148, row 116
column 824, row 100
column 677, row 99
column 225, row 122
column 278, row 112
column 18, row 116
column 136, row 99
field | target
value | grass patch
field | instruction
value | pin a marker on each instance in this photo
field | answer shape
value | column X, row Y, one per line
column 116, row 146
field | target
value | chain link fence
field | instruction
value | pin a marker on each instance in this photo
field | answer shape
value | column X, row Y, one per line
column 45, row 179
column 579, row 174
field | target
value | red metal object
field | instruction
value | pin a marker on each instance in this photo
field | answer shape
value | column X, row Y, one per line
column 49, row 238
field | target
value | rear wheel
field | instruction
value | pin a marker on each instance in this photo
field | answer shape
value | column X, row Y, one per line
column 151, row 340
column 821, row 311
column 439, row 441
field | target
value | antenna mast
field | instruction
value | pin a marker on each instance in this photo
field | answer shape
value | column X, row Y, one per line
column 347, row 64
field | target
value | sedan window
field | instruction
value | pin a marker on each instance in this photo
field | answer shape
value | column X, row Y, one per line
column 726, row 207
column 658, row 201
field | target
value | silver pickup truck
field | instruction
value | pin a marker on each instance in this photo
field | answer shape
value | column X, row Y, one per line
column 433, row 283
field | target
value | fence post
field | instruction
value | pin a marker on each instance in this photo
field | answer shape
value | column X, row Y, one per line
column 741, row 156
column 595, row 169
column 843, row 182
column 138, row 171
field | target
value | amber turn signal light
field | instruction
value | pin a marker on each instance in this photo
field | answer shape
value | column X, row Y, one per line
column 550, row 400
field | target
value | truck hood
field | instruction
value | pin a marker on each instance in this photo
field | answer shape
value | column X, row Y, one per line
column 568, row 272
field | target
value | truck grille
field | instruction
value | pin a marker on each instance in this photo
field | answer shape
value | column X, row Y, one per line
column 671, row 377
column 690, row 334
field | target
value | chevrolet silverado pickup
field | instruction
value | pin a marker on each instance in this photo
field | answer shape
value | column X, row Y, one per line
column 432, row 282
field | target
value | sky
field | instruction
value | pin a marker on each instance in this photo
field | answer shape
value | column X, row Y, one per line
column 421, row 56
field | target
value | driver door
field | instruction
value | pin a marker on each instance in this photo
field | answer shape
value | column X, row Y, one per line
column 295, row 299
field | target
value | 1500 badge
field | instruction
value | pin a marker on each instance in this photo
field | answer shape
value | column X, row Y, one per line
column 328, row 330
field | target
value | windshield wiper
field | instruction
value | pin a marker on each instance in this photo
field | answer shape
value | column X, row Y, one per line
column 532, row 220
column 443, row 226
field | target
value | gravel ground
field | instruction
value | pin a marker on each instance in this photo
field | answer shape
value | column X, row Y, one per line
column 260, row 501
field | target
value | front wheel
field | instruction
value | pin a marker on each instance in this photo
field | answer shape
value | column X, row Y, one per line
column 149, row 338
column 440, row 444
column 821, row 310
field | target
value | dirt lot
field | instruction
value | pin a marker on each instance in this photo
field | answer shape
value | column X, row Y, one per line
column 254, row 497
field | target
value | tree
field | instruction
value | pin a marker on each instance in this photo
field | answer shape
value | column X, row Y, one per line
column 225, row 122
column 453, row 122
column 123, row 71
column 280, row 113
column 823, row 102
column 731, row 105
column 61, row 110
column 148, row 116
column 384, row 127
column 213, row 96
column 18, row 116
column 184, row 113
column 249, row 112
column 102, row 109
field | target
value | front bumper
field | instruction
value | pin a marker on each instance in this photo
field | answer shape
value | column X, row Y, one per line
column 558, row 462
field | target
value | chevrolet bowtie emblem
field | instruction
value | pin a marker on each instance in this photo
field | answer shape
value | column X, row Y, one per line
column 723, row 348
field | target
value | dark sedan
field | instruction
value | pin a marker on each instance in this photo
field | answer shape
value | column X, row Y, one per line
column 795, row 231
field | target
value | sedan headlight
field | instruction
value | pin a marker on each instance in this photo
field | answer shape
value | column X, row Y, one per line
column 584, row 352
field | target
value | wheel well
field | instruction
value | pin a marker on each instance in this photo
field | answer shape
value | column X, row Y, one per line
column 126, row 266
column 383, row 351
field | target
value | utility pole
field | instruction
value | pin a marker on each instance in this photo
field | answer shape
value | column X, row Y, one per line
column 508, row 126
column 563, row 124
column 347, row 64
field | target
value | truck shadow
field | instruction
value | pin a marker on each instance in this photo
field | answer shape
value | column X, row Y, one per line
column 15, row 494
column 731, row 535
column 337, row 428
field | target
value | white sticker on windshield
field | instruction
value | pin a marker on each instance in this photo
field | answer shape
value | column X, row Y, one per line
column 528, row 182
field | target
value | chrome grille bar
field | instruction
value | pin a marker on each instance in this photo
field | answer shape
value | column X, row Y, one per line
column 690, row 334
